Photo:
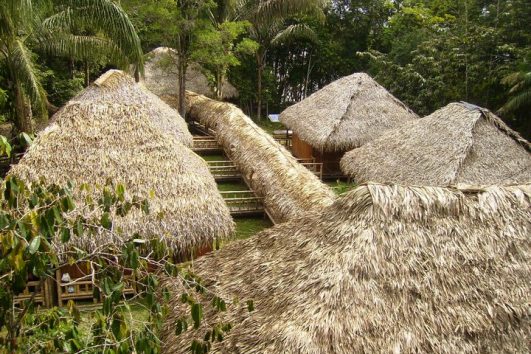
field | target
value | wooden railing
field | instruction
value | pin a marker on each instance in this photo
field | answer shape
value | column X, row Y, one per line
column 315, row 167
column 284, row 141
column 243, row 202
column 39, row 291
column 202, row 129
column 222, row 170
column 306, row 160
column 205, row 143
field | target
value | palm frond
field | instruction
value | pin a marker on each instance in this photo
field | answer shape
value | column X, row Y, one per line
column 517, row 102
column 294, row 31
column 102, row 16
column 285, row 8
column 26, row 73
column 83, row 47
column 14, row 15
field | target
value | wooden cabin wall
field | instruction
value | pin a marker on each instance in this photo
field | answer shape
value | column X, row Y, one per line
column 300, row 148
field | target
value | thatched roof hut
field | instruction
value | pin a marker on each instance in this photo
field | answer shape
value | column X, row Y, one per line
column 459, row 143
column 117, row 86
column 385, row 269
column 100, row 136
column 288, row 188
column 346, row 114
column 162, row 78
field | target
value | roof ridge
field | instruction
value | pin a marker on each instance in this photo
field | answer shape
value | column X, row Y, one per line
column 498, row 123
column 103, row 79
column 357, row 93
column 340, row 120
column 467, row 150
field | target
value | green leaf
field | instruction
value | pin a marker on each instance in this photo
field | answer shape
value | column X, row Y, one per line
column 120, row 192
column 250, row 305
column 65, row 234
column 197, row 314
column 181, row 326
column 78, row 230
column 5, row 147
column 106, row 221
column 34, row 245
column 145, row 206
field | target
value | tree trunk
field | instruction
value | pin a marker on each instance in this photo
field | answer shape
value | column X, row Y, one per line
column 87, row 74
column 72, row 68
column 219, row 84
column 182, row 88
column 137, row 74
column 22, row 110
column 260, row 71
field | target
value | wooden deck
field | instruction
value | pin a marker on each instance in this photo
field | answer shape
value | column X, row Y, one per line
column 39, row 291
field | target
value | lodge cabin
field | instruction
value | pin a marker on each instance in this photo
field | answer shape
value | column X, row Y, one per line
column 143, row 144
column 458, row 144
column 340, row 117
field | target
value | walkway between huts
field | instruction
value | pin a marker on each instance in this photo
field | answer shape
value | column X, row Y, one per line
column 240, row 198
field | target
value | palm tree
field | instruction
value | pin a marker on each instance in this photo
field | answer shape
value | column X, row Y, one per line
column 267, row 18
column 520, row 91
column 23, row 25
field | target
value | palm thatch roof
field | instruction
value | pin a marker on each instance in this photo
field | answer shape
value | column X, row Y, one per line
column 100, row 136
column 288, row 188
column 117, row 86
column 459, row 143
column 385, row 269
column 346, row 114
column 162, row 77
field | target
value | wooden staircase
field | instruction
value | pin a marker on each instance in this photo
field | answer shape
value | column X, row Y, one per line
column 206, row 144
column 224, row 170
column 242, row 203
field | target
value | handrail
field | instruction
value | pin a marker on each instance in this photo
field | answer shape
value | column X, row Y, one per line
column 226, row 163
column 315, row 167
column 239, row 194
column 306, row 160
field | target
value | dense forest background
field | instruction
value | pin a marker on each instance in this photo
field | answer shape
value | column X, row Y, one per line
column 426, row 52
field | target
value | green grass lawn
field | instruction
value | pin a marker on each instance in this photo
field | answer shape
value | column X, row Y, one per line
column 214, row 157
column 340, row 187
column 232, row 186
column 247, row 227
column 136, row 318
column 269, row 126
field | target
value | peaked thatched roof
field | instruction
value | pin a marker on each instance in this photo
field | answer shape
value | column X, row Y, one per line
column 385, row 269
column 459, row 143
column 289, row 189
column 98, row 137
column 346, row 114
column 117, row 86
column 162, row 77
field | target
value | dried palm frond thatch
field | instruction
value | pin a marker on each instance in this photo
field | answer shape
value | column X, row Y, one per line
column 459, row 143
column 93, row 140
column 288, row 188
column 385, row 269
column 162, row 76
column 116, row 86
column 346, row 114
